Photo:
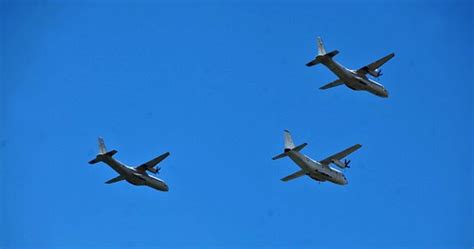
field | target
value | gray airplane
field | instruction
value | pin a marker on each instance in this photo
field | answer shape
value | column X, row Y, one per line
column 319, row 171
column 354, row 79
column 134, row 175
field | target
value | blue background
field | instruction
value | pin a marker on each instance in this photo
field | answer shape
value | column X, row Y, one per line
column 216, row 84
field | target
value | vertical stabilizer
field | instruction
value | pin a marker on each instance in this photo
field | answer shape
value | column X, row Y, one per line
column 288, row 141
column 102, row 149
column 289, row 146
column 321, row 50
column 322, row 55
column 102, row 152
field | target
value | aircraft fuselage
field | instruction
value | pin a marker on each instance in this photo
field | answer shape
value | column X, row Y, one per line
column 134, row 177
column 316, row 170
column 353, row 80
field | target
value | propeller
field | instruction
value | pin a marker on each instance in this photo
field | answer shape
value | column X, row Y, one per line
column 346, row 163
column 158, row 170
column 380, row 72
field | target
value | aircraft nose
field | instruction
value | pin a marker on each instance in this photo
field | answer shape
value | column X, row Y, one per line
column 385, row 93
column 166, row 188
column 344, row 181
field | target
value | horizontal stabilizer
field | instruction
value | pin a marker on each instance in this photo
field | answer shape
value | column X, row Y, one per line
column 320, row 58
column 332, row 53
column 116, row 179
column 335, row 83
column 279, row 156
column 314, row 62
column 100, row 157
column 294, row 175
column 300, row 147
column 95, row 160
column 111, row 153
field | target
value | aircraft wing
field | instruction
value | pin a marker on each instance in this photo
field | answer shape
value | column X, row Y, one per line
column 341, row 154
column 294, row 175
column 375, row 65
column 116, row 179
column 150, row 165
column 332, row 84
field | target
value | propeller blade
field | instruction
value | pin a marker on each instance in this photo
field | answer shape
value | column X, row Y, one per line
column 347, row 162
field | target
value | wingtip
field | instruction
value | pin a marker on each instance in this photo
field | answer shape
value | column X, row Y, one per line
column 311, row 63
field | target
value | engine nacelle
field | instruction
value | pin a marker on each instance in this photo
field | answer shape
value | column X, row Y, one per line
column 340, row 164
column 375, row 73
column 154, row 170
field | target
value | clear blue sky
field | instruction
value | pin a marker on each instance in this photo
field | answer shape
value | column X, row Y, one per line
column 216, row 84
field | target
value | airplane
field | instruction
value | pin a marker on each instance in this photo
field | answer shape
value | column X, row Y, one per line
column 319, row 171
column 354, row 79
column 134, row 175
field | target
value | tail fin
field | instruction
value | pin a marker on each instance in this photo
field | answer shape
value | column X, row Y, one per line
column 102, row 152
column 322, row 55
column 321, row 50
column 102, row 149
column 289, row 145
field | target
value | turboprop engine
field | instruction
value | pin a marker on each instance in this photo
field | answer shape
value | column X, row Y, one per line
column 375, row 73
column 340, row 164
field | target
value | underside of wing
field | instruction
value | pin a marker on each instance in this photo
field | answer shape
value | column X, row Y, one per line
column 293, row 176
column 375, row 65
column 116, row 179
column 150, row 165
column 332, row 84
column 341, row 154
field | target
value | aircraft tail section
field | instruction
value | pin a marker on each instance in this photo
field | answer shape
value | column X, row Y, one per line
column 289, row 146
column 322, row 54
column 102, row 152
column 288, row 141
column 321, row 49
column 102, row 149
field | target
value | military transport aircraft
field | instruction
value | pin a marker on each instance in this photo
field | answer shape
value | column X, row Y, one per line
column 134, row 175
column 354, row 79
column 319, row 171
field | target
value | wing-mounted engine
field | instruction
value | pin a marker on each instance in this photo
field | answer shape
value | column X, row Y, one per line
column 340, row 164
column 154, row 170
column 150, row 165
column 375, row 73
column 366, row 70
column 336, row 158
column 374, row 67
